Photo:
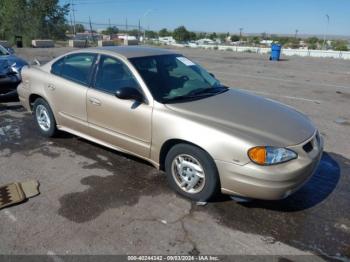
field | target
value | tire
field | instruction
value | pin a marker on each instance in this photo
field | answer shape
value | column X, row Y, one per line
column 206, row 186
column 47, row 126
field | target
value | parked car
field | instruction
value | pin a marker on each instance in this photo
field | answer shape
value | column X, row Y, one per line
column 164, row 108
column 10, row 77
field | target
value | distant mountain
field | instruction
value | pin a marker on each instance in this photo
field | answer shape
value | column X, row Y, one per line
column 329, row 36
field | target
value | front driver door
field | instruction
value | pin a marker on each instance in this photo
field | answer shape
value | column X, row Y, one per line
column 125, row 124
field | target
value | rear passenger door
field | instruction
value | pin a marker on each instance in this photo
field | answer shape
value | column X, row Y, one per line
column 67, row 89
column 125, row 124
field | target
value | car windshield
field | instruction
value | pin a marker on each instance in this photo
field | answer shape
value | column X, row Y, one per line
column 3, row 51
column 174, row 78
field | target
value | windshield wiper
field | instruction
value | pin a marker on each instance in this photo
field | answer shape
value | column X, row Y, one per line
column 209, row 90
column 185, row 97
column 202, row 93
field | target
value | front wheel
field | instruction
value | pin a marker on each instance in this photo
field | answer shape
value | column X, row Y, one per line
column 44, row 118
column 192, row 172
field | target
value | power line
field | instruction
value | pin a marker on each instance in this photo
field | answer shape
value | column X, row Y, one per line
column 80, row 2
column 107, row 24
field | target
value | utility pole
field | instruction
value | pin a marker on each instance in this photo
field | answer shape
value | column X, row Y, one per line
column 296, row 33
column 73, row 10
column 144, row 28
column 139, row 32
column 326, row 31
column 240, row 33
column 91, row 33
column 126, row 39
column 110, row 29
column 71, row 23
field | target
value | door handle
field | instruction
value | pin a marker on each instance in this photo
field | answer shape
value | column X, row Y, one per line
column 51, row 87
column 94, row 101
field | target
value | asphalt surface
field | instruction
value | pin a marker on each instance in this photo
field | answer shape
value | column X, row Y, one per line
column 97, row 201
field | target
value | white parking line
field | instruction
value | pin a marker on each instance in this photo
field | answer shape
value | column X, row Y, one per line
column 10, row 216
column 283, row 96
column 279, row 79
column 54, row 257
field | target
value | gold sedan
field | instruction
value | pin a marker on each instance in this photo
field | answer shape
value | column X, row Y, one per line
column 168, row 110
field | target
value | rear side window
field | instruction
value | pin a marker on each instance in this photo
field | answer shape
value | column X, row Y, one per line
column 78, row 68
column 113, row 74
column 57, row 67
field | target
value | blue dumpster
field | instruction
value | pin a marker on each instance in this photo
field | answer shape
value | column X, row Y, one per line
column 275, row 52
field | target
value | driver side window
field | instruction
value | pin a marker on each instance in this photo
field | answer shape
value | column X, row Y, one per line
column 113, row 74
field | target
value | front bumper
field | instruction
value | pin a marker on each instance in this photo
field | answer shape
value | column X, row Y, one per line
column 271, row 182
column 8, row 85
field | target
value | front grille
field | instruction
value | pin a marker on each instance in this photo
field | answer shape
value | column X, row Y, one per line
column 314, row 143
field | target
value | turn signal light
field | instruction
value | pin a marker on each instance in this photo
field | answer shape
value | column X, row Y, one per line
column 258, row 155
column 269, row 155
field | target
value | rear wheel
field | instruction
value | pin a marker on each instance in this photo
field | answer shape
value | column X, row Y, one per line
column 44, row 118
column 192, row 172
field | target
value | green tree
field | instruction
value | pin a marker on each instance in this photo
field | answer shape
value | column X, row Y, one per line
column 151, row 34
column 181, row 34
column 256, row 40
column 201, row 35
column 340, row 45
column 134, row 32
column 164, row 32
column 222, row 37
column 33, row 19
column 193, row 36
column 13, row 13
column 294, row 43
column 113, row 30
column 79, row 28
column 213, row 36
column 312, row 42
column 235, row 38
column 285, row 41
column 48, row 18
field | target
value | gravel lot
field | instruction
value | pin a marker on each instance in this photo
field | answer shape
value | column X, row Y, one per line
column 97, row 201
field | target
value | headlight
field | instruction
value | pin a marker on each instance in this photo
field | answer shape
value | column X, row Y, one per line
column 268, row 155
column 14, row 68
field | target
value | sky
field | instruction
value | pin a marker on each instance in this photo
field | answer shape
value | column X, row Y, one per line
column 254, row 16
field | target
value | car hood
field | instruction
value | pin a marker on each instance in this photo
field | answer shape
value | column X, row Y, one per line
column 257, row 119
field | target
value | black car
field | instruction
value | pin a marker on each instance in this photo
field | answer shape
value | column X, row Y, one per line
column 10, row 69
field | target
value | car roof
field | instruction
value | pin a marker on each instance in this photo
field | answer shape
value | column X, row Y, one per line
column 133, row 51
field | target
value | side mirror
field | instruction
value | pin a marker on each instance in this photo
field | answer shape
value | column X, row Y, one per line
column 212, row 75
column 129, row 93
